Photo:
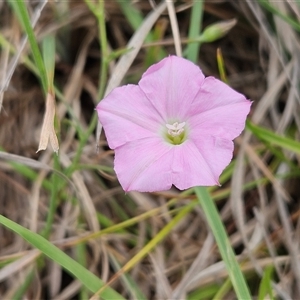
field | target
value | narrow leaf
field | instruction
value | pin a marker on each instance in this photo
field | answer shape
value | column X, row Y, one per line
column 226, row 251
column 88, row 279
column 20, row 10
column 192, row 50
column 274, row 138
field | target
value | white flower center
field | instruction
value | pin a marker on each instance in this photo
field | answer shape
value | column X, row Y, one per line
column 175, row 129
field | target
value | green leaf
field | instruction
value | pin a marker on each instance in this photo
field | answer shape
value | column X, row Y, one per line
column 88, row 279
column 274, row 138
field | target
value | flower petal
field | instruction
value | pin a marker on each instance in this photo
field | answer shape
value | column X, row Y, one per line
column 171, row 86
column 218, row 110
column 127, row 115
column 217, row 154
column 149, row 165
column 190, row 167
column 144, row 165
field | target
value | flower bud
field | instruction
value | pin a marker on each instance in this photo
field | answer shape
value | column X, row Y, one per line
column 216, row 31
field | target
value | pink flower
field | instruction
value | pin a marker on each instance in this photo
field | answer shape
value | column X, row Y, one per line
column 174, row 127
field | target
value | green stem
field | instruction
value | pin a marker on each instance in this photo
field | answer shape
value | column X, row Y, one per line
column 99, row 12
column 192, row 49
column 53, row 201
column 21, row 291
column 104, row 50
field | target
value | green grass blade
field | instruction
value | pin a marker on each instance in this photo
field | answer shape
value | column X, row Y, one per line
column 4, row 43
column 54, row 199
column 135, row 19
column 131, row 285
column 158, row 237
column 226, row 251
column 265, row 287
column 273, row 138
column 294, row 23
column 192, row 50
column 20, row 10
column 133, row 15
column 82, row 259
column 206, row 292
column 20, row 292
column 88, row 279
column 224, row 289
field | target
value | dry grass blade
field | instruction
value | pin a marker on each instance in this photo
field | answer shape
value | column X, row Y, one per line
column 174, row 25
column 281, row 43
column 34, row 203
column 84, row 196
column 73, row 87
column 70, row 291
column 271, row 94
column 268, row 173
column 135, row 45
column 48, row 130
column 25, row 161
column 163, row 290
column 19, row 264
column 200, row 261
column 32, row 164
column 3, row 62
column 288, row 237
column 261, row 223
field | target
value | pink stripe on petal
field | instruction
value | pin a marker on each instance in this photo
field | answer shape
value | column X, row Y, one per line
column 144, row 165
column 171, row 86
column 127, row 115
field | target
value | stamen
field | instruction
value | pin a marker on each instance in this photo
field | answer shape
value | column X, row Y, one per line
column 175, row 129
